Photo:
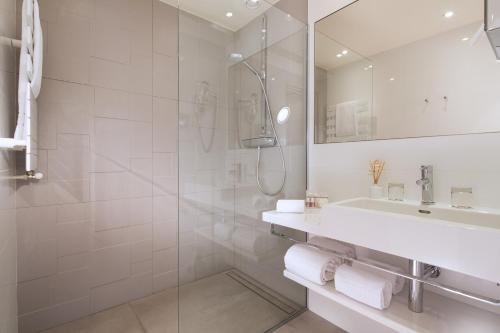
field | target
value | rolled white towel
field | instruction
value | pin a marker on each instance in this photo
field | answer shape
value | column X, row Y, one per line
column 363, row 286
column 223, row 231
column 334, row 245
column 290, row 206
column 398, row 282
column 251, row 240
column 310, row 263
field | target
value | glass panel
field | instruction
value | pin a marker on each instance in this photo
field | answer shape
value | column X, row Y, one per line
column 230, row 267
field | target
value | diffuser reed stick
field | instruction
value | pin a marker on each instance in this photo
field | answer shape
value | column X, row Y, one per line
column 376, row 169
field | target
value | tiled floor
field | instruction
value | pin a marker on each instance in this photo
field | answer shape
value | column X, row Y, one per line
column 217, row 304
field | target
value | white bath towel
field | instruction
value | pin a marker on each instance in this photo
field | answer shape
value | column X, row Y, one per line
column 346, row 123
column 398, row 282
column 223, row 231
column 24, row 59
column 310, row 263
column 251, row 240
column 290, row 206
column 334, row 245
column 363, row 286
column 36, row 81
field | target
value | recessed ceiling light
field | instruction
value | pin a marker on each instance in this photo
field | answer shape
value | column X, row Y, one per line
column 229, row 14
column 465, row 39
column 344, row 52
column 449, row 14
column 253, row 4
column 339, row 55
column 392, row 79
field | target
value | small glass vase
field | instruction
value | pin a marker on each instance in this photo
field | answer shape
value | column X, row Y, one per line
column 376, row 191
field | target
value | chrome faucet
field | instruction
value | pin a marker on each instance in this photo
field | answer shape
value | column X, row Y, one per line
column 427, row 183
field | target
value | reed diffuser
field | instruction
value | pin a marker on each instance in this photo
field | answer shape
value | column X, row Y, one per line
column 376, row 168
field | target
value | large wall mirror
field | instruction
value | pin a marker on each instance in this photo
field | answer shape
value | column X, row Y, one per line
column 389, row 69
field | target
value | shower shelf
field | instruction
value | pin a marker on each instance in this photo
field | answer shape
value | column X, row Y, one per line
column 441, row 314
column 207, row 234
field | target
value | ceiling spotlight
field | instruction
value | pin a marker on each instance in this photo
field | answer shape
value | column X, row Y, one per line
column 229, row 14
column 465, row 39
column 253, row 4
column 392, row 79
column 449, row 14
column 344, row 52
column 339, row 55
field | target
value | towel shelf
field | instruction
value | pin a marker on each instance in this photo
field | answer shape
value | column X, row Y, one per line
column 431, row 272
column 10, row 42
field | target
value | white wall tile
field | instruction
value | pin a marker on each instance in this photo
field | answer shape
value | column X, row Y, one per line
column 110, row 214
column 165, row 235
column 110, row 42
column 164, row 76
column 110, row 264
column 164, row 261
column 165, row 29
column 37, row 259
column 73, row 238
column 164, row 125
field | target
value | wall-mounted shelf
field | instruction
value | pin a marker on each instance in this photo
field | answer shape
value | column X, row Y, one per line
column 441, row 314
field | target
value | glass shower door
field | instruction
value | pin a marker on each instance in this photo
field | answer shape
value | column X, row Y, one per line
column 230, row 267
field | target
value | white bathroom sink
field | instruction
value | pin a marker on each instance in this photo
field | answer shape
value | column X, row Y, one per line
column 464, row 240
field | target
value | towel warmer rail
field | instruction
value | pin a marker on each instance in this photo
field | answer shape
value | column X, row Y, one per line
column 430, row 272
column 10, row 42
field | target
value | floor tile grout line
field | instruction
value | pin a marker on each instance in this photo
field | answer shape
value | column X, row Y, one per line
column 129, row 304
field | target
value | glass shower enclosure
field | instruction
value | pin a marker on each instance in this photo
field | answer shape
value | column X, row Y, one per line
column 242, row 146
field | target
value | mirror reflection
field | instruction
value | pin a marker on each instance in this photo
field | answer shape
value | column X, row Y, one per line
column 383, row 71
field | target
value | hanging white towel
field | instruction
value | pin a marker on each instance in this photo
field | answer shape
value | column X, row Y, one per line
column 24, row 60
column 36, row 81
column 310, row 263
column 363, row 286
column 398, row 282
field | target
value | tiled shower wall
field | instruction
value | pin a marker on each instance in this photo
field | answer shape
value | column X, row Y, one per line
column 101, row 228
column 8, row 239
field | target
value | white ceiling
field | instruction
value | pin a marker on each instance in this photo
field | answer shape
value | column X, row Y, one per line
column 369, row 27
column 215, row 11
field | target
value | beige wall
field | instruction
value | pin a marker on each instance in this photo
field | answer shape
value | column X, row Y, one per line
column 8, row 250
column 101, row 228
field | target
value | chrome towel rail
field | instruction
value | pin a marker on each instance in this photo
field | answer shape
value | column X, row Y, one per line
column 431, row 271
column 10, row 42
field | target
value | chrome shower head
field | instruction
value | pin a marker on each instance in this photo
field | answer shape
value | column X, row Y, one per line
column 238, row 57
